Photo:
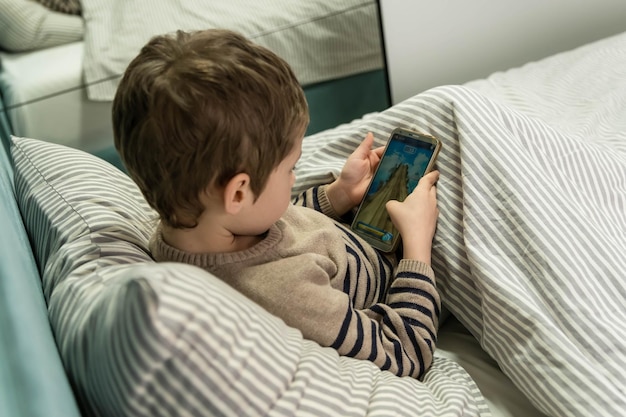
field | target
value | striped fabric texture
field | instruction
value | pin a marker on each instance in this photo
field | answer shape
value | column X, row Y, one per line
column 320, row 39
column 26, row 25
column 62, row 6
column 529, row 250
column 140, row 338
column 528, row 256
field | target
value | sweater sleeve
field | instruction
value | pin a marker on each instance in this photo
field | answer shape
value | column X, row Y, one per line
column 398, row 334
column 317, row 199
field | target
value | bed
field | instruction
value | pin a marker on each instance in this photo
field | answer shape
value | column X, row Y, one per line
column 528, row 256
column 59, row 70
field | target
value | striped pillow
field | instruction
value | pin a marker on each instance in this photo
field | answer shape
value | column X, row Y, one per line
column 145, row 339
column 62, row 6
column 26, row 25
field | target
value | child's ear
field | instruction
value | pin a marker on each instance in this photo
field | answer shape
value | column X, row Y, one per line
column 236, row 193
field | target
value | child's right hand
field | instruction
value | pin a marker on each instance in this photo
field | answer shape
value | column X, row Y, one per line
column 416, row 218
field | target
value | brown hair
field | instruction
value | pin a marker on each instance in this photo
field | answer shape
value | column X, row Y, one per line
column 195, row 109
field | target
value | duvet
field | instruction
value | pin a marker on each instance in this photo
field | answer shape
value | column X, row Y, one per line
column 530, row 244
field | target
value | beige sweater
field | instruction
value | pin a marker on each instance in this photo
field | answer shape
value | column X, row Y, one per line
column 315, row 274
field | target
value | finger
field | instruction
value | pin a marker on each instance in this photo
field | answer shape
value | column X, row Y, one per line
column 431, row 178
column 434, row 173
column 391, row 204
column 375, row 156
column 379, row 151
column 367, row 142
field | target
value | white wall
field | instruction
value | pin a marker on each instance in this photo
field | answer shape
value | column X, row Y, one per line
column 454, row 41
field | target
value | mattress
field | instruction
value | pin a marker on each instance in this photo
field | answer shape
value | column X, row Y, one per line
column 532, row 229
column 44, row 97
column 503, row 398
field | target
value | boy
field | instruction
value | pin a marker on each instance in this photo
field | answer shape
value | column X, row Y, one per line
column 210, row 126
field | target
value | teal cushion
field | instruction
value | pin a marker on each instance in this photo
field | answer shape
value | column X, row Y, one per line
column 32, row 379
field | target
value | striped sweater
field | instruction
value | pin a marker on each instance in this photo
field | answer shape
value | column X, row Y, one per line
column 318, row 276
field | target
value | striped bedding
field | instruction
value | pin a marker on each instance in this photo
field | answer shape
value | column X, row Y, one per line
column 528, row 256
column 529, row 250
column 320, row 39
column 140, row 338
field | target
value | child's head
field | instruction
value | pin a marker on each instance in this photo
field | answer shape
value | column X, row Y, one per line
column 195, row 109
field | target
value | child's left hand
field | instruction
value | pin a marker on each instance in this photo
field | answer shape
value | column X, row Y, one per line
column 348, row 190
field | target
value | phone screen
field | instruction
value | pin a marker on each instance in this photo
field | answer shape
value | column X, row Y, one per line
column 405, row 160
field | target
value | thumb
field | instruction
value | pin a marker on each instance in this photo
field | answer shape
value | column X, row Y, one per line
column 391, row 205
column 366, row 144
column 430, row 178
column 394, row 207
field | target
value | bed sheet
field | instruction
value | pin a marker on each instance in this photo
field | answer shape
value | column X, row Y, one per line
column 320, row 39
column 503, row 398
column 532, row 229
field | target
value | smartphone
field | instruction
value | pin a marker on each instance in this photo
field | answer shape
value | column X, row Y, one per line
column 408, row 155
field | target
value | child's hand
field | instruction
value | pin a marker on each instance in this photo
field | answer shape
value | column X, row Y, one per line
column 348, row 190
column 416, row 218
